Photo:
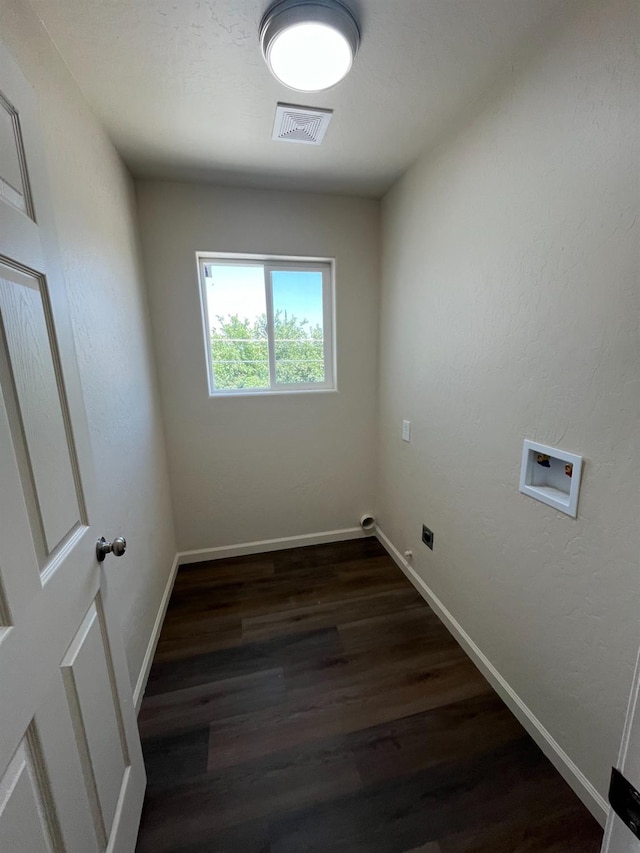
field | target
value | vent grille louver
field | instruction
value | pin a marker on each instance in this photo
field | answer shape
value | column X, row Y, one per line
column 305, row 125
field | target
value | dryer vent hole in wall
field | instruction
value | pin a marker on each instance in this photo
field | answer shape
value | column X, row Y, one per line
column 368, row 523
column 427, row 536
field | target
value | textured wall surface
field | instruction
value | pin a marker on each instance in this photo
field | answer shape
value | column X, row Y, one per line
column 94, row 207
column 510, row 309
column 252, row 468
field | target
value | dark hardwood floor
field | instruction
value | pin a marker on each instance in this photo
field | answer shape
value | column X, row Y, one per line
column 309, row 700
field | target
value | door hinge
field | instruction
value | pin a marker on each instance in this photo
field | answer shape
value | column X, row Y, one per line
column 625, row 801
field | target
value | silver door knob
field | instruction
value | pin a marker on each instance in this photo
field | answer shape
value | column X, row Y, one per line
column 117, row 547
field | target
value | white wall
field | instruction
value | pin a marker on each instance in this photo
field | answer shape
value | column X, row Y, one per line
column 510, row 309
column 247, row 468
column 94, row 208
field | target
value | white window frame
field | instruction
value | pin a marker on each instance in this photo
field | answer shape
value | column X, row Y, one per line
column 274, row 263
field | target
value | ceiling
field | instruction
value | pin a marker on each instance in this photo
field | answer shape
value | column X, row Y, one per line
column 184, row 93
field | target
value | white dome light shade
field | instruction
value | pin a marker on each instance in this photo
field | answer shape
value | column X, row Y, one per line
column 309, row 45
column 310, row 57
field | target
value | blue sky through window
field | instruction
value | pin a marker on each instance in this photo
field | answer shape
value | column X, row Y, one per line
column 239, row 290
column 299, row 294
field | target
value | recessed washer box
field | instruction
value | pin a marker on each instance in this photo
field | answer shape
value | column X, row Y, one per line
column 551, row 476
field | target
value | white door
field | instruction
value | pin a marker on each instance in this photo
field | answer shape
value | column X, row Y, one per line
column 618, row 838
column 71, row 771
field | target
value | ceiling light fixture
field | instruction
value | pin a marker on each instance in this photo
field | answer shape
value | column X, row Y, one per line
column 309, row 45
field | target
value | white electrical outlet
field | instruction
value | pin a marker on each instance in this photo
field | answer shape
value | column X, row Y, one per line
column 406, row 430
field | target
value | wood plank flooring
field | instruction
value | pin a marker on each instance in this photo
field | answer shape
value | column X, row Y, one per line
column 309, row 701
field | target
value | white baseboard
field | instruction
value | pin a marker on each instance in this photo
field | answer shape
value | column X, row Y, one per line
column 141, row 683
column 574, row 777
column 264, row 545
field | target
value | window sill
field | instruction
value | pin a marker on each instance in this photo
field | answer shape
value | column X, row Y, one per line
column 224, row 395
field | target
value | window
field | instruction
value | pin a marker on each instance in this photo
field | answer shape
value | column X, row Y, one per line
column 268, row 324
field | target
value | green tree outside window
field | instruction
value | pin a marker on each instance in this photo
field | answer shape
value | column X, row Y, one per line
column 240, row 352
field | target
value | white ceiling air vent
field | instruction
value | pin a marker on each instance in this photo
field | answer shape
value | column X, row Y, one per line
column 307, row 125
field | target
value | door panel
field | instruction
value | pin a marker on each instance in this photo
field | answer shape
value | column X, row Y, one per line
column 24, row 792
column 14, row 185
column 40, row 435
column 94, row 707
column 71, row 772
